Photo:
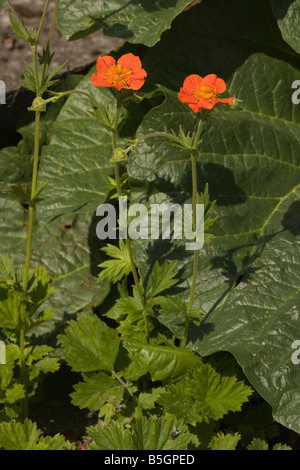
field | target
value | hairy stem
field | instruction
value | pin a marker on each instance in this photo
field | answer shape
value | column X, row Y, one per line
column 42, row 21
column 128, row 241
column 196, row 252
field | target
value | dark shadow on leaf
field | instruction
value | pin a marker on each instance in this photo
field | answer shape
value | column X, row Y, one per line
column 221, row 182
column 234, row 276
column 165, row 250
column 280, row 8
column 203, row 42
column 291, row 219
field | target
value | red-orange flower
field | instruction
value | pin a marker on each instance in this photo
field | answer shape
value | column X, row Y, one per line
column 202, row 93
column 126, row 73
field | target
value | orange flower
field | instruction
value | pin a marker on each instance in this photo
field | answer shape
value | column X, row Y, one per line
column 202, row 93
column 126, row 73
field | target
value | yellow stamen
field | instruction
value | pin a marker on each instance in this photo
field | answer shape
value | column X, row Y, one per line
column 204, row 93
column 118, row 75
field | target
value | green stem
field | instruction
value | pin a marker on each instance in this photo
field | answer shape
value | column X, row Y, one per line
column 42, row 21
column 36, row 71
column 53, row 22
column 128, row 241
column 49, row 41
column 125, row 385
column 196, row 252
column 23, row 369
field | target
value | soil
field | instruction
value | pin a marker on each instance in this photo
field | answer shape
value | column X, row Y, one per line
column 13, row 52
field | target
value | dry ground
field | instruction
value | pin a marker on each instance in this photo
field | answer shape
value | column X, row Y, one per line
column 13, row 52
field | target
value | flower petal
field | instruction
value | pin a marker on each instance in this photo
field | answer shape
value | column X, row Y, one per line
column 216, row 82
column 194, row 107
column 131, row 61
column 220, row 85
column 98, row 80
column 224, row 101
column 185, row 96
column 191, row 82
column 206, row 104
column 210, row 79
column 136, row 83
column 103, row 63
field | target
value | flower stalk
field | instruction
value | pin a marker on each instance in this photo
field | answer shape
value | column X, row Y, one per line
column 128, row 242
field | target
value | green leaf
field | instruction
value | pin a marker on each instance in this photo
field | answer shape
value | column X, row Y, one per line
column 164, row 363
column 96, row 390
column 15, row 393
column 45, row 365
column 147, row 400
column 73, row 269
column 258, row 444
column 113, row 437
column 17, row 436
column 281, row 447
column 7, row 270
column 118, row 267
column 26, row 436
column 287, row 13
column 90, row 345
column 2, row 3
column 146, row 434
column 203, row 395
column 9, row 308
column 224, row 441
column 248, row 282
column 162, row 277
column 77, row 160
column 140, row 21
column 152, row 434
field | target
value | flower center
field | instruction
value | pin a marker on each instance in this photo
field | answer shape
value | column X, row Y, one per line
column 204, row 93
column 118, row 75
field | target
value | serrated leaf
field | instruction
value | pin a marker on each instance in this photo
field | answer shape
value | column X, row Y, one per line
column 156, row 434
column 162, row 277
column 281, row 447
column 146, row 434
column 95, row 391
column 14, row 393
column 17, row 436
column 112, row 437
column 203, row 395
column 90, row 345
column 45, row 365
column 224, row 441
column 118, row 267
column 26, row 436
column 258, row 444
column 147, row 400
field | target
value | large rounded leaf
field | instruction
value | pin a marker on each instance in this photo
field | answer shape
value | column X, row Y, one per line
column 138, row 21
column 248, row 279
column 287, row 13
